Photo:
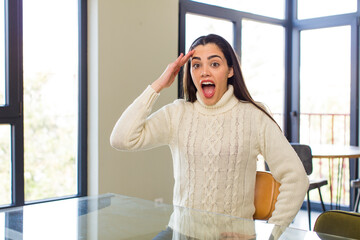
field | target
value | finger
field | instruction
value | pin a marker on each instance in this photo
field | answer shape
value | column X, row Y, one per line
column 178, row 60
column 187, row 57
column 176, row 72
column 190, row 53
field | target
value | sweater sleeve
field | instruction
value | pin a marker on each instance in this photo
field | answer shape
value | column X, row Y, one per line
column 287, row 168
column 136, row 130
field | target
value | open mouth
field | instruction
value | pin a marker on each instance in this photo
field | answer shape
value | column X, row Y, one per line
column 208, row 88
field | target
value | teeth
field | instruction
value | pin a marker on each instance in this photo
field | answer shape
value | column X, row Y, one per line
column 207, row 83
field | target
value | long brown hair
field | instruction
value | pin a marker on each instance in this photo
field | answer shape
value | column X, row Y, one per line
column 240, row 90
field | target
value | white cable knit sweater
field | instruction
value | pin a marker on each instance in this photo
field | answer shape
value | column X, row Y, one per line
column 214, row 150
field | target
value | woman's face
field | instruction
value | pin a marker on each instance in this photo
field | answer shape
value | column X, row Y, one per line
column 210, row 72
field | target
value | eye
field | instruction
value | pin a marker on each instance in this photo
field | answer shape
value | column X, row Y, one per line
column 215, row 64
column 196, row 65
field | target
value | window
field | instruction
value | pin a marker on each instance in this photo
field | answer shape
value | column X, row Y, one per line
column 274, row 8
column 2, row 223
column 262, row 61
column 325, row 64
column 321, row 8
column 50, row 50
column 300, row 59
column 2, row 54
column 5, row 163
column 43, row 115
column 197, row 25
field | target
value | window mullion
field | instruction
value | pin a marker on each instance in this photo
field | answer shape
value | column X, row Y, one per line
column 14, row 79
column 82, row 123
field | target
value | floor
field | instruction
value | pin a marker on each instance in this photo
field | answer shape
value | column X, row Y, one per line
column 301, row 220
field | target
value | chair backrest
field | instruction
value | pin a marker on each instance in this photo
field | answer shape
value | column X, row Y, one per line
column 266, row 192
column 305, row 155
column 339, row 223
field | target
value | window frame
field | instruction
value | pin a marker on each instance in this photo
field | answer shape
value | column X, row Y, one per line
column 293, row 27
column 235, row 16
column 12, row 112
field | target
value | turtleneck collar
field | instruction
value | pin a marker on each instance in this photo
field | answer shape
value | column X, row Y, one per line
column 227, row 101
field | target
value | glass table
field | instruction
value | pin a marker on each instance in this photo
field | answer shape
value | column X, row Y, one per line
column 112, row 216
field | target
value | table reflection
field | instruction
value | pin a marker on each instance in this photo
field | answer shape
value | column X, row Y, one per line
column 119, row 217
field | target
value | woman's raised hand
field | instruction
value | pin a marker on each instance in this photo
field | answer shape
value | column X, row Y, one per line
column 168, row 76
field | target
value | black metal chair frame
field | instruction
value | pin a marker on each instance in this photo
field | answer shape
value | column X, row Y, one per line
column 356, row 185
column 305, row 155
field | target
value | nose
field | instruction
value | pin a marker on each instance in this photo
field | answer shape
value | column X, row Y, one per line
column 204, row 72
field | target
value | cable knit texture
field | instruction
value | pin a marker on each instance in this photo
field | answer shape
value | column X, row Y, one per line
column 214, row 150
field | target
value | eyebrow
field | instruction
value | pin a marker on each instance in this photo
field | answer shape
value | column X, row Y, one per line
column 210, row 57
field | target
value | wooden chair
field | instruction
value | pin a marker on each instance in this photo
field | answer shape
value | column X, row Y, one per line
column 339, row 223
column 305, row 155
column 266, row 192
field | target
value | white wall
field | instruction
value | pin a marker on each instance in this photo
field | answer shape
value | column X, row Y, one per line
column 130, row 44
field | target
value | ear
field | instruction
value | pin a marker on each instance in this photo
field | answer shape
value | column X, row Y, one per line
column 231, row 72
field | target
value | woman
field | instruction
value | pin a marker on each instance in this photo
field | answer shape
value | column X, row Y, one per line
column 215, row 135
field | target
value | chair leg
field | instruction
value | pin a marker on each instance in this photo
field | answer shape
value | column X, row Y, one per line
column 309, row 209
column 322, row 202
column 356, row 205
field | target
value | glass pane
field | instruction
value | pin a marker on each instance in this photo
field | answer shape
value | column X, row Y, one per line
column 274, row 8
column 321, row 8
column 2, row 54
column 325, row 96
column 2, row 226
column 50, row 97
column 262, row 62
column 197, row 25
column 5, row 164
column 50, row 216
